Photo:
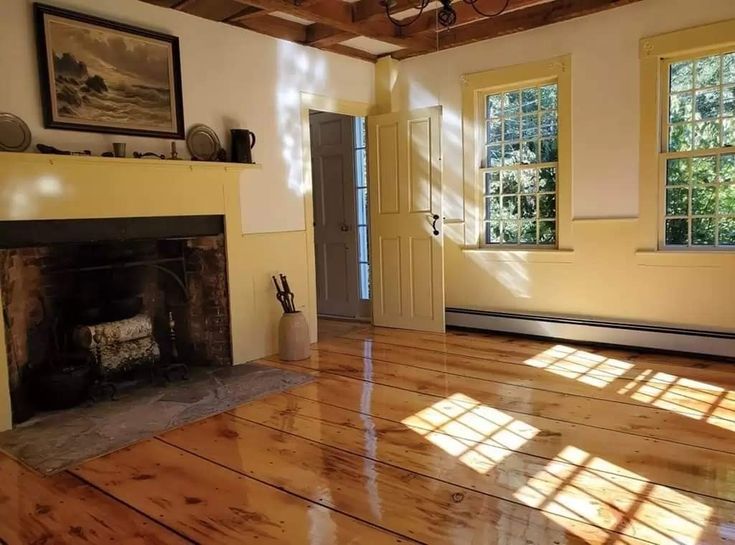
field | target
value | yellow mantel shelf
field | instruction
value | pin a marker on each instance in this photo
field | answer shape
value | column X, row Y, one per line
column 88, row 159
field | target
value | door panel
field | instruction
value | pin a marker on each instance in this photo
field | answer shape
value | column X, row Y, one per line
column 335, row 197
column 388, row 184
column 419, row 171
column 390, row 298
column 408, row 266
column 335, row 237
column 421, row 277
column 337, row 272
column 330, row 131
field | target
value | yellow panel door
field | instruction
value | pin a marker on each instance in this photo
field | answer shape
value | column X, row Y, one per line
column 407, row 267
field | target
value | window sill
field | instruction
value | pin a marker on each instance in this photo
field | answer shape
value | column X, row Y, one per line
column 686, row 259
column 522, row 256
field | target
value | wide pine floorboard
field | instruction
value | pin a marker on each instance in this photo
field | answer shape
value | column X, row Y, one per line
column 409, row 437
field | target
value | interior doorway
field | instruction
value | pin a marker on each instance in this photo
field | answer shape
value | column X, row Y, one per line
column 340, row 201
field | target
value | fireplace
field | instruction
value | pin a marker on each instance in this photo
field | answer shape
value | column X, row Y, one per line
column 127, row 299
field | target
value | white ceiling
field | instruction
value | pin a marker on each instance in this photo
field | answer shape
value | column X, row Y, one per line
column 370, row 45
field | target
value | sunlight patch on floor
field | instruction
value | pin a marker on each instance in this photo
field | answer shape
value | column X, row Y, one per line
column 478, row 435
column 592, row 369
column 687, row 397
column 578, row 485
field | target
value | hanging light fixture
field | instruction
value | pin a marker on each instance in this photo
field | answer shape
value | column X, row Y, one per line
column 446, row 15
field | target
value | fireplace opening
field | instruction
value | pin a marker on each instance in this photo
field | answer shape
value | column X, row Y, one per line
column 92, row 307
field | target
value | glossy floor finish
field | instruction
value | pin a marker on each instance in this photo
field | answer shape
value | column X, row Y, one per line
column 411, row 437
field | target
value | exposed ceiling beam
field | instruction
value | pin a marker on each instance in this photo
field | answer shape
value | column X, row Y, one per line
column 369, row 9
column 335, row 21
column 323, row 37
column 183, row 4
column 248, row 12
column 517, row 21
column 162, row 3
column 339, row 15
column 466, row 14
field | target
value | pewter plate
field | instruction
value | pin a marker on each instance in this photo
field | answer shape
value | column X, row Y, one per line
column 14, row 133
column 203, row 143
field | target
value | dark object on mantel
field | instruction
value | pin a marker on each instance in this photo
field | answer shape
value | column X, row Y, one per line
column 243, row 142
column 174, row 153
column 139, row 155
column 43, row 148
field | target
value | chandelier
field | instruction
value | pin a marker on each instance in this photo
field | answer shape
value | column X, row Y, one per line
column 446, row 15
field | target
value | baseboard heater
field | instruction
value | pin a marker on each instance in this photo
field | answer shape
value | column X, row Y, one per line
column 714, row 343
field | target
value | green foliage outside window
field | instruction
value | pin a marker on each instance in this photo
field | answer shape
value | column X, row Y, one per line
column 521, row 154
column 700, row 167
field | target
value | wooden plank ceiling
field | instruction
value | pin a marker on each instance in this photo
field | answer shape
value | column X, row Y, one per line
column 360, row 28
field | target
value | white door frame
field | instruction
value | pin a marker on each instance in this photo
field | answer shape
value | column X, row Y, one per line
column 336, row 106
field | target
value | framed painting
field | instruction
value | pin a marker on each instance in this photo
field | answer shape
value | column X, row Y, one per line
column 101, row 76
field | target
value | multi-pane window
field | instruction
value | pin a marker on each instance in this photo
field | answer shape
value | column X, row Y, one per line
column 699, row 121
column 362, row 209
column 520, row 166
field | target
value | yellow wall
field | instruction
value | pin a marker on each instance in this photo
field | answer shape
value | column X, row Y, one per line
column 612, row 270
column 34, row 186
column 603, row 277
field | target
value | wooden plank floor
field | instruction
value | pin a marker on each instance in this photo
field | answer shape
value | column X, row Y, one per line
column 411, row 437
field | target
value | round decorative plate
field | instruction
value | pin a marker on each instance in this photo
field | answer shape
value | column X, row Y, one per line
column 203, row 143
column 14, row 133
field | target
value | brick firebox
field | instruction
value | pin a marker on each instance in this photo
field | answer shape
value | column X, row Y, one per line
column 48, row 289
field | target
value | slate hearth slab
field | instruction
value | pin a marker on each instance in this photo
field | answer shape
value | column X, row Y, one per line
column 56, row 441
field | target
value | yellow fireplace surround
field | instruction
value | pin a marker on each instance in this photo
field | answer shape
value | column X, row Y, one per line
column 38, row 187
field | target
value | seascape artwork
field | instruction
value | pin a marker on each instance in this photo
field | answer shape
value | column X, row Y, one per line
column 109, row 79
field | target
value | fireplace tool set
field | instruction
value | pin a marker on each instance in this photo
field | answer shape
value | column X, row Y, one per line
column 284, row 294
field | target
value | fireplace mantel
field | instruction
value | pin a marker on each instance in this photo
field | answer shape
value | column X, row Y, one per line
column 89, row 159
column 38, row 187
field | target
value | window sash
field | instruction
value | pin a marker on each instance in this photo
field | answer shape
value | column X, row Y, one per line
column 362, row 212
column 665, row 155
column 482, row 138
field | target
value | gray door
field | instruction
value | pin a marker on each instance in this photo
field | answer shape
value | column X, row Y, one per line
column 333, row 171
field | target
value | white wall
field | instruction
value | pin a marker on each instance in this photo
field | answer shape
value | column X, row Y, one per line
column 232, row 78
column 605, row 91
